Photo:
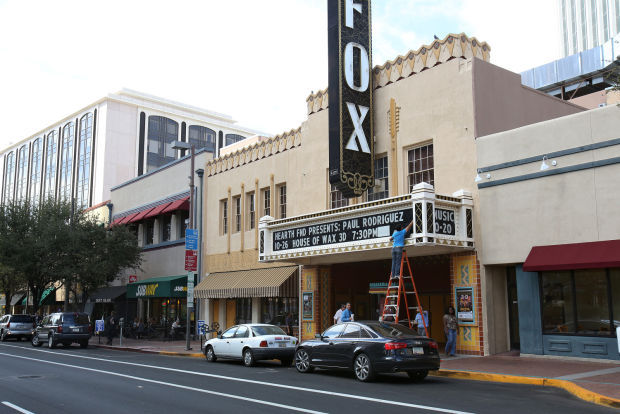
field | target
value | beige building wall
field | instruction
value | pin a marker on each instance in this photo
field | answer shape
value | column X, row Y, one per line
column 576, row 206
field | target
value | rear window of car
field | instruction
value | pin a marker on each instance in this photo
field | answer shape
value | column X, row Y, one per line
column 75, row 319
column 391, row 330
column 267, row 330
column 21, row 318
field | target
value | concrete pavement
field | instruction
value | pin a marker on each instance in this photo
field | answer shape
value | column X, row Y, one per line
column 596, row 381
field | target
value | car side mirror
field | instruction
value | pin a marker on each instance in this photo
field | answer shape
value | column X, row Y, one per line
column 318, row 336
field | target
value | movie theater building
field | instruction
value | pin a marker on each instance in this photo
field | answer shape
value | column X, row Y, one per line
column 280, row 238
column 551, row 232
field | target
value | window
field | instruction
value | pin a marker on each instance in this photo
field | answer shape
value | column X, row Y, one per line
column 577, row 302
column 275, row 310
column 242, row 331
column 66, row 162
column 149, row 232
column 202, row 137
column 230, row 332
column 183, row 220
column 266, row 202
column 421, row 166
column 336, row 198
column 282, row 201
column 584, row 24
column 224, row 215
column 333, row 331
column 381, row 189
column 161, row 134
column 244, row 311
column 166, row 227
column 9, row 177
column 51, row 158
column 606, row 33
column 35, row 170
column 22, row 173
column 232, row 138
column 83, row 162
column 237, row 204
column 351, row 331
column 251, row 211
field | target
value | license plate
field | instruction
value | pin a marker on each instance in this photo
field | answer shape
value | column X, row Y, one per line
column 76, row 330
column 417, row 350
column 282, row 345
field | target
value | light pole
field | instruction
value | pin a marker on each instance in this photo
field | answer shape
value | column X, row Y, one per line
column 200, row 172
column 190, row 275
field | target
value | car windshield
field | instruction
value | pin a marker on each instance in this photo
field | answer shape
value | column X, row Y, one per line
column 21, row 318
column 267, row 330
column 389, row 330
column 75, row 319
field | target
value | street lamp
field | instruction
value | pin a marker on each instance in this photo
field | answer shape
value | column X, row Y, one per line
column 200, row 172
column 190, row 276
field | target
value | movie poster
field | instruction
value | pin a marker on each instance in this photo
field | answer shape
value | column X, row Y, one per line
column 307, row 305
column 465, row 304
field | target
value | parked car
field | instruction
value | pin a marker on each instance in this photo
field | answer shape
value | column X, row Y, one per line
column 16, row 326
column 63, row 328
column 251, row 343
column 368, row 348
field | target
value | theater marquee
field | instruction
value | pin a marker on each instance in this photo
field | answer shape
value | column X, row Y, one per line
column 351, row 146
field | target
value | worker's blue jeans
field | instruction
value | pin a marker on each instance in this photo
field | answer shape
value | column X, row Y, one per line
column 397, row 255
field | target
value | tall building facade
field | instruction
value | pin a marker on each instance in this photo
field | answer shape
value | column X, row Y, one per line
column 587, row 23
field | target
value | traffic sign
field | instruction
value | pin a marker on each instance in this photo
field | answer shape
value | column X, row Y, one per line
column 202, row 328
column 191, row 260
column 99, row 325
column 190, row 289
column 191, row 239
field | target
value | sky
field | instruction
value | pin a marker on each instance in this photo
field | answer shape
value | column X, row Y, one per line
column 256, row 61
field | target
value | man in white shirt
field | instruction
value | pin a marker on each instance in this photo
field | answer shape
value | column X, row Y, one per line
column 338, row 314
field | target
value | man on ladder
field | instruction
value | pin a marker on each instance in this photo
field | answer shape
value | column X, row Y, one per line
column 397, row 247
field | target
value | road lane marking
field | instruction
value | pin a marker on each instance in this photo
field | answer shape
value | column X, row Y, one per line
column 169, row 384
column 17, row 408
column 269, row 384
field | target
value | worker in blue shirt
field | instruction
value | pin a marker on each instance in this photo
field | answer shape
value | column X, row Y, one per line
column 397, row 248
column 346, row 314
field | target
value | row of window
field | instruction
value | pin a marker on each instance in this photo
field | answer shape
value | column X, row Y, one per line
column 273, row 311
column 165, row 229
column 420, row 168
column 47, row 167
column 250, row 209
column 163, row 132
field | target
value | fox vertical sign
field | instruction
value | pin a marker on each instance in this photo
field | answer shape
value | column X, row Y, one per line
column 351, row 144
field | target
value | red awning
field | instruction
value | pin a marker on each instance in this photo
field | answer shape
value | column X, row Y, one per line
column 594, row 255
column 157, row 210
column 127, row 218
column 139, row 216
column 116, row 222
column 182, row 204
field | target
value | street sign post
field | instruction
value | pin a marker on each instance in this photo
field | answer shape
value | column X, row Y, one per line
column 190, row 290
column 191, row 239
column 191, row 260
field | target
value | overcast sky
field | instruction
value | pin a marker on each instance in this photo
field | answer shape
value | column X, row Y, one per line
column 256, row 60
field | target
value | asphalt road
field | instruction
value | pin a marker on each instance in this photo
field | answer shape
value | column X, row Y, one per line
column 74, row 380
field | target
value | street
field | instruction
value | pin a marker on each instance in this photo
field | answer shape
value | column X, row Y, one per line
column 40, row 380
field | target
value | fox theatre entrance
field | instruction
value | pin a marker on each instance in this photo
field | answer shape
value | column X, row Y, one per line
column 345, row 256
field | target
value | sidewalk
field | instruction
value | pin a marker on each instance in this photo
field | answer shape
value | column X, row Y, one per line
column 591, row 380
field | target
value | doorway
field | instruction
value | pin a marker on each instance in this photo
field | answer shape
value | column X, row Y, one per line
column 513, row 307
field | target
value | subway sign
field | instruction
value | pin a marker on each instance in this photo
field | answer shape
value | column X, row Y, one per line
column 351, row 144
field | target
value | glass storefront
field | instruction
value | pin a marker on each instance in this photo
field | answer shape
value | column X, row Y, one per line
column 275, row 310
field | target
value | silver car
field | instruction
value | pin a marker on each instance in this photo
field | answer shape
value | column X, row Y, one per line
column 16, row 326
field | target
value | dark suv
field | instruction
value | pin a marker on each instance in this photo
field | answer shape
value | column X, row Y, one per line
column 16, row 326
column 63, row 328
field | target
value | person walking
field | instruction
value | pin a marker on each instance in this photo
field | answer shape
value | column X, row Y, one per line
column 450, row 327
column 110, row 327
column 289, row 324
column 338, row 314
column 421, row 318
column 398, row 237
column 346, row 314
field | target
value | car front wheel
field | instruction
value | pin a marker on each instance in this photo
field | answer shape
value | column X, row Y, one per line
column 248, row 358
column 35, row 340
column 363, row 368
column 302, row 361
column 210, row 354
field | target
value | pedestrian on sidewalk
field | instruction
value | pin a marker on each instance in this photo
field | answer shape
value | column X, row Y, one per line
column 346, row 314
column 110, row 327
column 398, row 237
column 421, row 318
column 338, row 315
column 450, row 327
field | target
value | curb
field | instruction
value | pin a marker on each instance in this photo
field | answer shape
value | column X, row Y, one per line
column 574, row 389
column 147, row 351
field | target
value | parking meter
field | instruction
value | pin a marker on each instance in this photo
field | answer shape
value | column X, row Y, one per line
column 121, row 322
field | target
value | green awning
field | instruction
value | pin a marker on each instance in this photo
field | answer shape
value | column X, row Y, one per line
column 47, row 297
column 159, row 287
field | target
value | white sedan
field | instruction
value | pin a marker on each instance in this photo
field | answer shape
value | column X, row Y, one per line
column 252, row 342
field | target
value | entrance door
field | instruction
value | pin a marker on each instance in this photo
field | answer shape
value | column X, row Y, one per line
column 513, row 308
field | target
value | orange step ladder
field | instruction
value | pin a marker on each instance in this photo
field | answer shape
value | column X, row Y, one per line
column 392, row 305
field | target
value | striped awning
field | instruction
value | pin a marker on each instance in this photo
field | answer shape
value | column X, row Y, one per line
column 253, row 283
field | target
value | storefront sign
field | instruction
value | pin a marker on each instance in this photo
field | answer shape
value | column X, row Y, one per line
column 146, row 290
column 341, row 231
column 444, row 222
column 351, row 144
column 103, row 300
column 133, row 278
column 465, row 304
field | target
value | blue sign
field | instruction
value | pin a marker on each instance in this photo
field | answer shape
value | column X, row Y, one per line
column 99, row 325
column 191, row 239
column 202, row 327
